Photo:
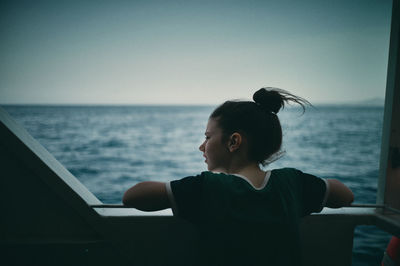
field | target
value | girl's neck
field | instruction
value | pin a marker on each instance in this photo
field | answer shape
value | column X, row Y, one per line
column 251, row 171
column 248, row 170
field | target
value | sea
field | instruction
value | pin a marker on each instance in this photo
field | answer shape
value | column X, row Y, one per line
column 110, row 148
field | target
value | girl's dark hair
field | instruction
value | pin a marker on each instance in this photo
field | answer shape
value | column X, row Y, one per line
column 257, row 121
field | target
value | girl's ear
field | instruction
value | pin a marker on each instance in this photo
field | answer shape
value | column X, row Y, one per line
column 235, row 140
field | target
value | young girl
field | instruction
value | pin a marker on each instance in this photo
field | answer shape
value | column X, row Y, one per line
column 246, row 216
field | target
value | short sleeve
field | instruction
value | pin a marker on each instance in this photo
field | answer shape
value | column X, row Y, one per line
column 185, row 196
column 314, row 193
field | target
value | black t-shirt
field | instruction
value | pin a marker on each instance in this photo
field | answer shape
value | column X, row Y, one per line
column 243, row 224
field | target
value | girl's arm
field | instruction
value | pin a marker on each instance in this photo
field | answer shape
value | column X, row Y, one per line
column 147, row 196
column 339, row 194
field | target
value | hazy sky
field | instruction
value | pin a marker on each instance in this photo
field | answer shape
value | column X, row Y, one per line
column 192, row 52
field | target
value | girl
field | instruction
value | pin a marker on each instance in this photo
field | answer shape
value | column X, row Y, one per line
column 246, row 215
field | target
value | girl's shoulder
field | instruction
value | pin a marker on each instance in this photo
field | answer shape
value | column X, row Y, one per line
column 287, row 172
column 280, row 173
column 293, row 177
column 281, row 177
column 215, row 177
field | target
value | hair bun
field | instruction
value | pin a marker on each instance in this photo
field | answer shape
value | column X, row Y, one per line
column 269, row 100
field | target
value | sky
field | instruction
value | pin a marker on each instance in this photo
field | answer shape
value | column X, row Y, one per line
column 191, row 52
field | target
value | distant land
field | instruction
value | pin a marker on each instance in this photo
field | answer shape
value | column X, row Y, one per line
column 367, row 102
column 370, row 102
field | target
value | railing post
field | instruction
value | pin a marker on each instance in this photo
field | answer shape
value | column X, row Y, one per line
column 389, row 169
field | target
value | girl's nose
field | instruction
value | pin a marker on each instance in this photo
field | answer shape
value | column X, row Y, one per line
column 201, row 148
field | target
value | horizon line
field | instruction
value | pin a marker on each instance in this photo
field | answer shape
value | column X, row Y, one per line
column 181, row 104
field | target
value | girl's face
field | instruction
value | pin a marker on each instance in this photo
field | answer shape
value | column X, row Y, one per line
column 214, row 149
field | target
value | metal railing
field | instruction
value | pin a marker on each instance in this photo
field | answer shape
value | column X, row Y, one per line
column 378, row 206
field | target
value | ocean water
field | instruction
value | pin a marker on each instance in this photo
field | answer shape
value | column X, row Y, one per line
column 110, row 148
